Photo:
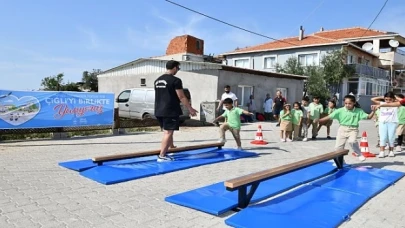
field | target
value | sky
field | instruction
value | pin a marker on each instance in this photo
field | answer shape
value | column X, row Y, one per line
column 46, row 37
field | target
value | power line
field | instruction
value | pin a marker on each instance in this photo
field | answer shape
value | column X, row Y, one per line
column 375, row 18
column 226, row 23
column 313, row 11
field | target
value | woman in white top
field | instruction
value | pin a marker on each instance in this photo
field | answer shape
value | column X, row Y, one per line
column 388, row 121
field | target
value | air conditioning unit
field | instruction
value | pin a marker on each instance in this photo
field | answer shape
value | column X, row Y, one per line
column 186, row 57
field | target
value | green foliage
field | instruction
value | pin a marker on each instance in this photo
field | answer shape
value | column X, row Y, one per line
column 291, row 66
column 55, row 83
column 316, row 84
column 52, row 83
column 90, row 80
column 335, row 69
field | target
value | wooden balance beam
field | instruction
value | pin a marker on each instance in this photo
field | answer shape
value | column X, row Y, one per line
column 114, row 157
column 254, row 179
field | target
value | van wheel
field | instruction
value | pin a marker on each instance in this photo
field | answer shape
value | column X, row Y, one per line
column 147, row 116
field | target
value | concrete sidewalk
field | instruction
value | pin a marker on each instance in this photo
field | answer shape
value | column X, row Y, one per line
column 36, row 192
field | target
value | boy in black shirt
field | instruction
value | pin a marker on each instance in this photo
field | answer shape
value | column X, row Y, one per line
column 168, row 95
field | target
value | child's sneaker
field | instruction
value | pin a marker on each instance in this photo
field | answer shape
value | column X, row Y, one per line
column 391, row 154
column 289, row 140
column 239, row 148
column 361, row 158
column 305, row 139
column 328, row 137
column 398, row 149
column 222, row 140
column 381, row 154
column 164, row 159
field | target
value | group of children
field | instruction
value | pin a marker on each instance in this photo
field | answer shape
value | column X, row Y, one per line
column 295, row 121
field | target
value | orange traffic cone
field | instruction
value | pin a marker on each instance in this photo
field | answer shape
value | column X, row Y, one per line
column 259, row 137
column 365, row 150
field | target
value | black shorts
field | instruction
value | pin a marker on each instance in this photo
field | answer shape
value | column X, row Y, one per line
column 169, row 123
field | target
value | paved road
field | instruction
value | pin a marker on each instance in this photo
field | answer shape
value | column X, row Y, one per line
column 36, row 192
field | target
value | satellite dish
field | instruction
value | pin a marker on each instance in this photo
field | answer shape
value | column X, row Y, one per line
column 367, row 46
column 393, row 43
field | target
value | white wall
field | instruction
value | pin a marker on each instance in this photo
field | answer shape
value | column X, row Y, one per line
column 202, row 86
column 262, row 85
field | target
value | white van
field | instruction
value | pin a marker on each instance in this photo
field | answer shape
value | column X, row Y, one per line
column 139, row 103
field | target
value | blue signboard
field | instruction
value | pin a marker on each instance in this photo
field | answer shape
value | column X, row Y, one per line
column 26, row 109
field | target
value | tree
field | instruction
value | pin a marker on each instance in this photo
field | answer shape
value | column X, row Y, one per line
column 55, row 83
column 291, row 66
column 316, row 83
column 335, row 69
column 90, row 80
column 52, row 83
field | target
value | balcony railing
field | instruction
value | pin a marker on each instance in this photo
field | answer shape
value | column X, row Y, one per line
column 374, row 72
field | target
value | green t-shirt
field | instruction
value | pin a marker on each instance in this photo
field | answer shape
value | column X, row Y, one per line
column 287, row 117
column 349, row 118
column 329, row 110
column 233, row 117
column 297, row 115
column 315, row 111
column 401, row 115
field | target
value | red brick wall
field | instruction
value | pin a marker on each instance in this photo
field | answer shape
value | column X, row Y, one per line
column 185, row 44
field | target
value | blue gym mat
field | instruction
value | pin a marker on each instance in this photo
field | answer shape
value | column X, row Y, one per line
column 215, row 199
column 125, row 170
column 325, row 203
column 82, row 165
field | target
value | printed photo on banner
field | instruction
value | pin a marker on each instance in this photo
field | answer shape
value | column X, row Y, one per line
column 39, row 109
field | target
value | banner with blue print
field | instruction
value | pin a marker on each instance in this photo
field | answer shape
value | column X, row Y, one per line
column 40, row 109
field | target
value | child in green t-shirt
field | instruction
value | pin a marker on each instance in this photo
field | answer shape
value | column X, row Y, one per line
column 401, row 124
column 349, row 117
column 233, row 123
column 297, row 119
column 315, row 111
column 286, row 116
column 331, row 108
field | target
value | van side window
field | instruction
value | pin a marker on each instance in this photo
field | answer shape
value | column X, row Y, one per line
column 150, row 96
column 138, row 96
column 124, row 96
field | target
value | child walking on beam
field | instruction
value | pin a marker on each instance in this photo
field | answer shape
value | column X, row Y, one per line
column 349, row 117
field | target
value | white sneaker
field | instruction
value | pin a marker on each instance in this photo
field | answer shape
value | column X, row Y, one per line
column 391, row 154
column 361, row 158
column 282, row 140
column 387, row 147
column 398, row 149
column 381, row 154
column 222, row 140
column 164, row 159
column 305, row 139
column 289, row 140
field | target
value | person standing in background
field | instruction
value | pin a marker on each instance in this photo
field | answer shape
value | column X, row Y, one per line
column 268, row 107
column 278, row 105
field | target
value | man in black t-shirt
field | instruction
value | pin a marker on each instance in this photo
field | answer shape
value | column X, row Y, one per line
column 168, row 95
column 278, row 104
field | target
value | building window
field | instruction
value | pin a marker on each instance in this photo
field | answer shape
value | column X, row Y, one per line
column 373, row 87
column 243, row 94
column 308, row 59
column 350, row 59
column 198, row 45
column 270, row 62
column 242, row 63
column 143, row 81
